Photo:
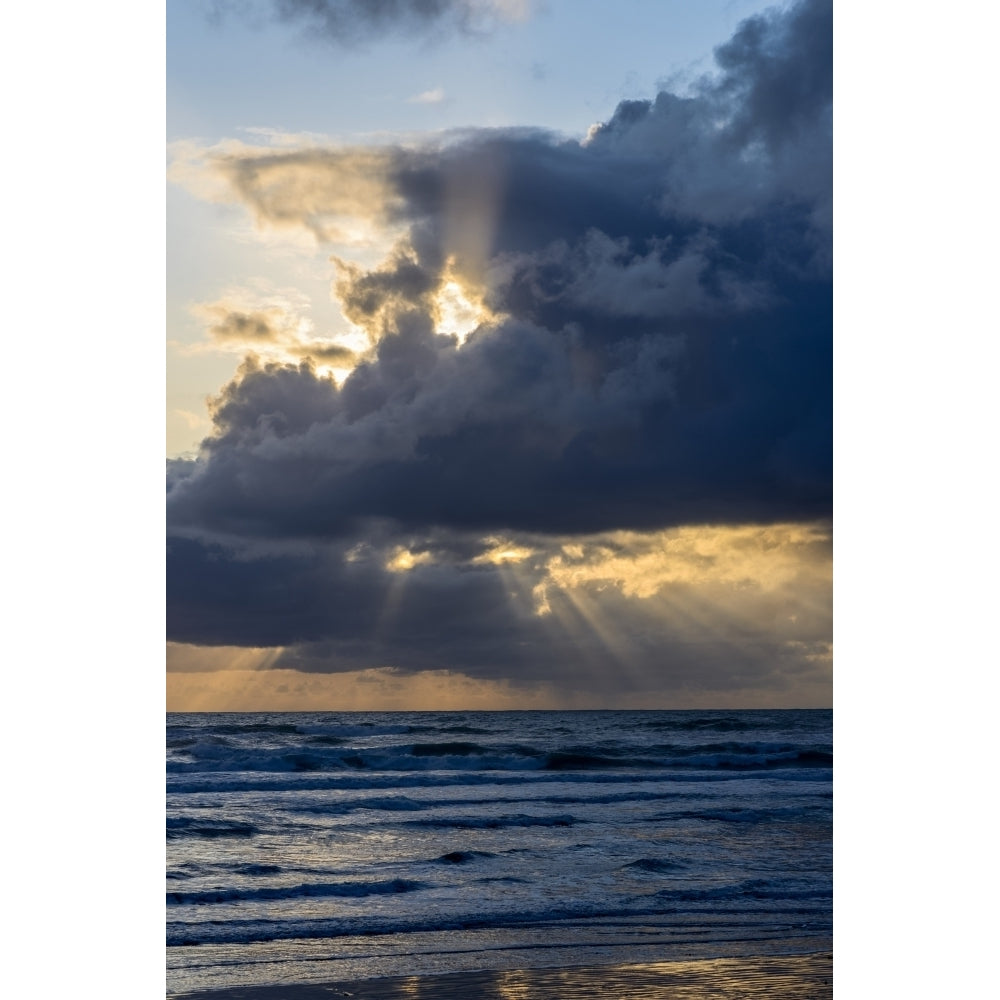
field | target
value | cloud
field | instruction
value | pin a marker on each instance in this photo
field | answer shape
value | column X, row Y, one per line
column 435, row 96
column 645, row 348
column 271, row 329
column 679, row 610
column 348, row 23
column 244, row 328
column 383, row 689
column 658, row 344
column 313, row 188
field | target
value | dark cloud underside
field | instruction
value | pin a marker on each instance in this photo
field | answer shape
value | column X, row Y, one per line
column 335, row 609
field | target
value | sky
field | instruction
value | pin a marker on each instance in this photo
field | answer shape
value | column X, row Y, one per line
column 499, row 363
column 84, row 560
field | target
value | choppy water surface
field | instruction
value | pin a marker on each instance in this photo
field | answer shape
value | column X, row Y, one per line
column 307, row 847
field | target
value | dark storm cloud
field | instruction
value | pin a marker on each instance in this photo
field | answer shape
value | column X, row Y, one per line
column 780, row 77
column 338, row 607
column 353, row 22
column 376, row 298
column 272, row 401
column 658, row 354
column 338, row 596
column 663, row 354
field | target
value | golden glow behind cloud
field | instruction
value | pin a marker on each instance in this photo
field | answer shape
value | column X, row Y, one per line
column 753, row 601
column 748, row 556
column 339, row 194
column 503, row 551
column 458, row 312
column 344, row 196
column 273, row 329
column 403, row 560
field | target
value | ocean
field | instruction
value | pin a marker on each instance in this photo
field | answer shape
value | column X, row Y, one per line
column 320, row 847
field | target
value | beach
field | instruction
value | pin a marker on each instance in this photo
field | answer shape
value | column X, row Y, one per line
column 398, row 854
column 785, row 977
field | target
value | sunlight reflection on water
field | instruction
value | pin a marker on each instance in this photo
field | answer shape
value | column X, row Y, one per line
column 784, row 977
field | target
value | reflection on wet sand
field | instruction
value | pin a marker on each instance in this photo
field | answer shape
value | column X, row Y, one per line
column 783, row 977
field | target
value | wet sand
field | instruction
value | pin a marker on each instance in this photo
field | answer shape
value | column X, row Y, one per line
column 783, row 977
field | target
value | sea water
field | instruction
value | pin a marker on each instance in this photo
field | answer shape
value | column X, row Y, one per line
column 310, row 847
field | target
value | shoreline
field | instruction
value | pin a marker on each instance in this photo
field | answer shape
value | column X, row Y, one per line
column 780, row 977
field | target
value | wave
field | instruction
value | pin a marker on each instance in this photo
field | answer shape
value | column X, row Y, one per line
column 328, row 752
column 216, row 782
column 354, row 890
column 576, row 760
column 238, row 728
column 723, row 725
column 460, row 728
column 470, row 758
column 743, row 814
column 463, row 857
column 343, row 806
column 492, row 822
column 658, row 865
column 745, row 900
column 447, row 749
column 196, row 826
column 257, row 870
column 348, row 730
column 751, row 889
